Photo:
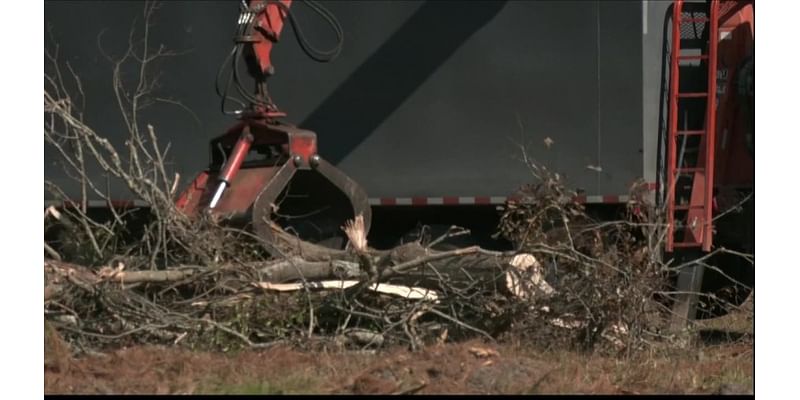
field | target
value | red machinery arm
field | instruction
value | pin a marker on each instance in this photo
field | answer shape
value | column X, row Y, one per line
column 268, row 17
column 259, row 28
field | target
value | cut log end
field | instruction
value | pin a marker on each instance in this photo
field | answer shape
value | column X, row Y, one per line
column 525, row 278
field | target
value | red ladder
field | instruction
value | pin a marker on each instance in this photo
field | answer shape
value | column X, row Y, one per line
column 694, row 216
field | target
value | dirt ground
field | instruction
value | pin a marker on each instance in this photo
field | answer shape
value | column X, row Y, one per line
column 717, row 364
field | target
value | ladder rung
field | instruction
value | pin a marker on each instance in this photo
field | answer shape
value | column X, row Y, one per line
column 701, row 19
column 691, row 132
column 689, row 170
column 683, row 245
column 694, row 57
column 693, row 95
column 684, row 207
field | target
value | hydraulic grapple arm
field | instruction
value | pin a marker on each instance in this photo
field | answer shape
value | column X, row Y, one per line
column 238, row 184
column 259, row 27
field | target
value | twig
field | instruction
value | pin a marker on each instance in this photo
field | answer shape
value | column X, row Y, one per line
column 733, row 207
column 243, row 338
column 114, row 337
column 461, row 324
column 403, row 267
column 54, row 254
column 449, row 234
column 535, row 387
column 413, row 389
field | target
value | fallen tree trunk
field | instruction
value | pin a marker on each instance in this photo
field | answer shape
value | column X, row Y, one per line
column 409, row 265
column 296, row 268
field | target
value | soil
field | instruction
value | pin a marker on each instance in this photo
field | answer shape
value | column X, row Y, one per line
column 470, row 367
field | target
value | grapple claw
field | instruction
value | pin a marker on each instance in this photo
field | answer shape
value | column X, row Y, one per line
column 263, row 175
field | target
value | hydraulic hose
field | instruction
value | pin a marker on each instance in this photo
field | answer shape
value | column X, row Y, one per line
column 246, row 21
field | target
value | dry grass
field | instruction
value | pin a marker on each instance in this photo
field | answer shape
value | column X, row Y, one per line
column 452, row 368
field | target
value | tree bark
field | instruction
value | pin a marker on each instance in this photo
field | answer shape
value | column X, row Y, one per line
column 410, row 265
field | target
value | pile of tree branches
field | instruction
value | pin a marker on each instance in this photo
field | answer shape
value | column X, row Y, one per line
column 606, row 275
column 409, row 294
column 569, row 282
column 198, row 282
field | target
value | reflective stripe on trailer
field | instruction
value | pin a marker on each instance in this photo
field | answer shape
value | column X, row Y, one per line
column 481, row 200
column 394, row 201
